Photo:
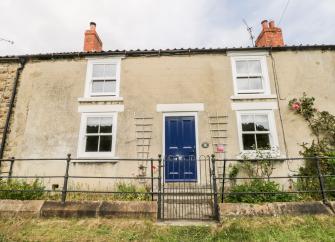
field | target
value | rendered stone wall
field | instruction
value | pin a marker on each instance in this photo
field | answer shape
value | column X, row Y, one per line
column 46, row 119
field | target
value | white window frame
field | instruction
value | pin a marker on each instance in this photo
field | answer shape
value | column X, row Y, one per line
column 89, row 71
column 265, row 75
column 81, row 153
column 273, row 137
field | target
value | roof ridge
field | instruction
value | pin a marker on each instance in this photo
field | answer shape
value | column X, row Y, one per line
column 167, row 51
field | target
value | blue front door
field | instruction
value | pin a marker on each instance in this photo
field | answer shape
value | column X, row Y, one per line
column 180, row 149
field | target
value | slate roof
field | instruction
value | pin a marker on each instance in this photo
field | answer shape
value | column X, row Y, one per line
column 165, row 52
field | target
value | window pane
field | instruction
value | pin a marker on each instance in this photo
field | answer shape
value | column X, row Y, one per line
column 110, row 86
column 110, row 70
column 248, row 123
column 243, row 83
column 92, row 125
column 105, row 143
column 98, row 70
column 263, row 141
column 255, row 83
column 254, row 67
column 106, row 125
column 92, row 143
column 97, row 86
column 242, row 67
column 248, row 141
column 262, row 123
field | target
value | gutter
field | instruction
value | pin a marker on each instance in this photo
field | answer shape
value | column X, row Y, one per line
column 165, row 52
column 11, row 106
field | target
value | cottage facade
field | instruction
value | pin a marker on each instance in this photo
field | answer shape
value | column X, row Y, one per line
column 138, row 104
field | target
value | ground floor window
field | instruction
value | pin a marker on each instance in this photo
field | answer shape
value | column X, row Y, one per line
column 257, row 130
column 97, row 135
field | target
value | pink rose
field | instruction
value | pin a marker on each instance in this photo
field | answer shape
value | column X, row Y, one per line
column 296, row 106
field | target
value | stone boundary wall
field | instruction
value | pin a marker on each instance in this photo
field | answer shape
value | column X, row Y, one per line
column 275, row 209
column 143, row 209
column 40, row 208
column 7, row 76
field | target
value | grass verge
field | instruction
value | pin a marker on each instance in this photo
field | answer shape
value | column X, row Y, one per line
column 285, row 228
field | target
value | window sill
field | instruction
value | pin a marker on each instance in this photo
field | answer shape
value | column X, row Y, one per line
column 95, row 159
column 252, row 96
column 99, row 99
column 250, row 154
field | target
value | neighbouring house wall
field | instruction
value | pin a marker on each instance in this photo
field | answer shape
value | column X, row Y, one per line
column 45, row 121
column 46, row 118
column 7, row 77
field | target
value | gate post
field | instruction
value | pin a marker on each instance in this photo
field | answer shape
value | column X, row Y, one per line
column 215, row 192
column 159, row 198
column 66, row 178
column 223, row 179
column 321, row 181
column 152, row 178
column 10, row 173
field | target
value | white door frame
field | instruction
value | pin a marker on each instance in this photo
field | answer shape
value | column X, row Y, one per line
column 184, row 114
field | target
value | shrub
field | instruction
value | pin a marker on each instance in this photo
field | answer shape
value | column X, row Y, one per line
column 257, row 185
column 327, row 167
column 131, row 192
column 322, row 125
column 23, row 189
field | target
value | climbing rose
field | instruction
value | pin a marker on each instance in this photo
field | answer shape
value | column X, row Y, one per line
column 296, row 106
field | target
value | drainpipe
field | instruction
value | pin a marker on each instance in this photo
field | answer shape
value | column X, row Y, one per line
column 278, row 100
column 11, row 106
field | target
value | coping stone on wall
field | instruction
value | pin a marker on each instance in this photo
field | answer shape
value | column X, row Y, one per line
column 10, row 208
column 331, row 204
column 133, row 209
column 273, row 209
column 130, row 209
column 70, row 209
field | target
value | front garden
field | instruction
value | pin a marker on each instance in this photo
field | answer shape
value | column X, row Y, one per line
column 284, row 228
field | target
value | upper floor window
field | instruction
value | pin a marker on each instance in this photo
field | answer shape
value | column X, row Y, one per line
column 103, row 77
column 250, row 75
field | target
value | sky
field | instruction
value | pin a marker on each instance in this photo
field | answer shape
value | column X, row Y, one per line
column 40, row 26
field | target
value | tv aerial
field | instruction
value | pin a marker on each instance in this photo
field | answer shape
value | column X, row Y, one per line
column 249, row 29
column 8, row 41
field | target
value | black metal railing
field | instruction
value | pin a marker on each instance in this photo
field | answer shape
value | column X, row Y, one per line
column 317, row 184
column 180, row 196
column 149, row 180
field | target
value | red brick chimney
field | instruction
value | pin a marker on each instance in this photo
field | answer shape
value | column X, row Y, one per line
column 92, row 41
column 270, row 35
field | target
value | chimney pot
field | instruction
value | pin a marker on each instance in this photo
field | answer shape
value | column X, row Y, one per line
column 272, row 24
column 93, row 25
column 92, row 41
column 265, row 24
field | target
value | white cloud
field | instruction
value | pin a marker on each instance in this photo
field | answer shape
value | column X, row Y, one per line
column 39, row 26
